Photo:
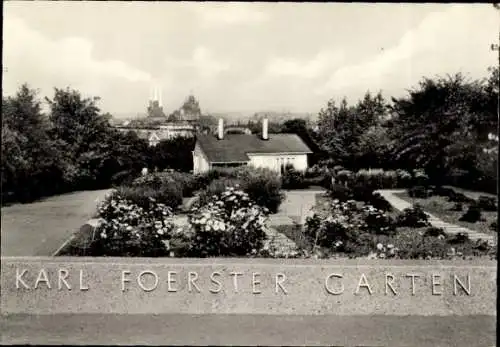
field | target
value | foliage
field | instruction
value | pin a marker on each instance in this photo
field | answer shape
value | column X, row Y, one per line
column 338, row 230
column 173, row 154
column 346, row 133
column 434, row 232
column 487, row 203
column 340, row 192
column 472, row 215
column 167, row 194
column 262, row 185
column 229, row 225
column 157, row 180
column 377, row 221
column 293, row 179
column 130, row 230
column 419, row 192
column 380, row 203
column 413, row 217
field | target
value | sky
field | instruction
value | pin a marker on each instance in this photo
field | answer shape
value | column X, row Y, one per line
column 244, row 57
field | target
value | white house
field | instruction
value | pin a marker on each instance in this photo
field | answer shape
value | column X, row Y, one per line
column 274, row 151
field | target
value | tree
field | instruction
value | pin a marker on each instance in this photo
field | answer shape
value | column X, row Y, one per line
column 174, row 154
column 28, row 155
column 299, row 127
column 442, row 124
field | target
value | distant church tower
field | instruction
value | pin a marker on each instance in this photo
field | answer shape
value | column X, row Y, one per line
column 155, row 107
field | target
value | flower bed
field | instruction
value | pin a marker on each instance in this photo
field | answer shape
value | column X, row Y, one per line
column 452, row 212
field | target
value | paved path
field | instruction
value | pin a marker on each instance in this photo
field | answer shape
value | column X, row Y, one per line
column 247, row 330
column 40, row 228
column 400, row 204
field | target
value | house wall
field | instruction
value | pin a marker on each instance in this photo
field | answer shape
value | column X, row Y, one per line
column 200, row 161
column 276, row 161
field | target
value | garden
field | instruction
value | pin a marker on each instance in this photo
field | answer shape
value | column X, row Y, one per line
column 229, row 210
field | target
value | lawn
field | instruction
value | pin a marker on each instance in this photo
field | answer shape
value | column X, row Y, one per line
column 442, row 208
column 41, row 227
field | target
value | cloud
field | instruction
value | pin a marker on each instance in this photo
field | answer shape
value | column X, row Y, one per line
column 324, row 60
column 229, row 13
column 35, row 58
column 202, row 61
column 444, row 42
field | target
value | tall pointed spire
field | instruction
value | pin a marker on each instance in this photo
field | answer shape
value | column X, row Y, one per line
column 160, row 98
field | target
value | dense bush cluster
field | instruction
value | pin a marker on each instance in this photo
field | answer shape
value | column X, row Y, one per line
column 230, row 224
column 413, row 217
column 128, row 229
column 376, row 178
column 263, row 186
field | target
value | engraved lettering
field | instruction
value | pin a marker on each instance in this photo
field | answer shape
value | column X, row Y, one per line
column 192, row 277
column 82, row 287
column 235, row 280
column 19, row 279
column 214, row 281
column 280, row 278
column 435, row 284
column 363, row 282
column 125, row 273
column 42, row 277
column 412, row 282
column 143, row 287
column 171, row 280
column 388, row 284
column 63, row 274
column 255, row 283
column 327, row 287
column 456, row 281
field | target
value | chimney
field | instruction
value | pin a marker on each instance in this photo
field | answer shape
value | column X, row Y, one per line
column 265, row 135
column 220, row 134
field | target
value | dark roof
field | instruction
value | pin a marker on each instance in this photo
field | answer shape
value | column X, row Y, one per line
column 234, row 147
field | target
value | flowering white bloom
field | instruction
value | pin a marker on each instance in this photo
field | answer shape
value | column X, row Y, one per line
column 380, row 246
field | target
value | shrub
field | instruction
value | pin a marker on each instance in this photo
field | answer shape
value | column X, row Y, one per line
column 413, row 217
column 442, row 191
column 458, row 238
column 494, row 227
column 405, row 179
column 338, row 230
column 487, row 203
column 185, row 181
column 419, row 192
column 340, row 192
column 380, row 203
column 457, row 207
column 170, row 195
column 217, row 187
column 377, row 221
column 343, row 176
column 362, row 193
column 472, row 215
column 131, row 230
column 262, row 186
column 420, row 177
column 434, row 232
column 293, row 179
column 459, row 197
column 229, row 225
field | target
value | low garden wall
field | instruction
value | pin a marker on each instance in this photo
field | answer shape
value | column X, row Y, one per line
column 247, row 286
